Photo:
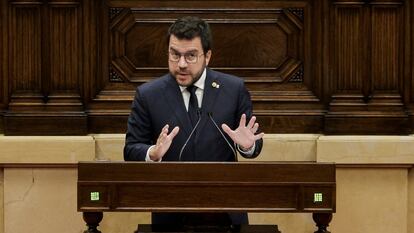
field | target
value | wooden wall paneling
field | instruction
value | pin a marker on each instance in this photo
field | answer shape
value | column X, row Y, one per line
column 366, row 72
column 347, row 53
column 294, row 106
column 326, row 56
column 387, row 64
column 91, row 44
column 409, row 61
column 321, row 66
column 24, row 31
column 3, row 62
column 64, row 49
column 45, row 69
column 314, row 47
column 65, row 57
column 262, row 42
column 93, row 15
column 110, row 102
column 25, row 49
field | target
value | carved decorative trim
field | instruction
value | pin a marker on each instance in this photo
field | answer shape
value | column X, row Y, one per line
column 113, row 12
column 114, row 76
column 299, row 12
column 297, row 77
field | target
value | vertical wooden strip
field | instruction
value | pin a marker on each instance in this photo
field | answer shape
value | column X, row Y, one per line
column 89, row 47
column 26, row 48
column 348, row 46
column 385, row 41
column 407, row 66
column 65, row 49
column 3, row 62
column 411, row 32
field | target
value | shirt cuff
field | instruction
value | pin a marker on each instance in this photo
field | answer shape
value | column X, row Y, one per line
column 248, row 152
column 147, row 157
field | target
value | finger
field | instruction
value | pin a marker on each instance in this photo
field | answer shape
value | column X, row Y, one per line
column 227, row 129
column 258, row 136
column 163, row 137
column 251, row 122
column 242, row 120
column 173, row 133
column 163, row 130
column 255, row 128
column 164, row 133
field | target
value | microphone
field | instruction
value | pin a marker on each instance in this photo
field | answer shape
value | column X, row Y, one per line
column 210, row 115
column 191, row 134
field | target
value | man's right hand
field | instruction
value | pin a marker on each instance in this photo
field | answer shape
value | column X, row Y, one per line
column 163, row 143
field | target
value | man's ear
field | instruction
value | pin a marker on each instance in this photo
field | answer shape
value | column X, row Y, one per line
column 208, row 56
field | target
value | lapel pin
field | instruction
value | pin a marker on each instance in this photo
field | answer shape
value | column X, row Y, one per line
column 215, row 85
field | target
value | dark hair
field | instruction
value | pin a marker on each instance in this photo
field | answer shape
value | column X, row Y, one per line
column 190, row 27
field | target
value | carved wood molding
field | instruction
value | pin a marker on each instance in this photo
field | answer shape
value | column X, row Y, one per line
column 311, row 66
column 366, row 67
column 45, row 66
column 137, row 52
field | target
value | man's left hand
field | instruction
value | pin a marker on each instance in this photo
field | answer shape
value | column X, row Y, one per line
column 244, row 135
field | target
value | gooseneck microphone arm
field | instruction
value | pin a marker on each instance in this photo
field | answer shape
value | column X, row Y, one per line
column 191, row 134
column 210, row 115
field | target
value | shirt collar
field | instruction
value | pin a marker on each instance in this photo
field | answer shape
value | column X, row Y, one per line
column 200, row 82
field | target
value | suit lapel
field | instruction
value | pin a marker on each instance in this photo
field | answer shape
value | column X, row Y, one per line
column 175, row 100
column 210, row 97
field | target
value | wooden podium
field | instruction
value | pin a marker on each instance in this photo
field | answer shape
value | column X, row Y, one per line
column 206, row 187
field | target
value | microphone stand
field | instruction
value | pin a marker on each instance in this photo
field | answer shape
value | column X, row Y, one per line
column 210, row 115
column 191, row 134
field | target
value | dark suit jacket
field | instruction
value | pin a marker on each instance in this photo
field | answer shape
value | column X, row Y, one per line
column 160, row 102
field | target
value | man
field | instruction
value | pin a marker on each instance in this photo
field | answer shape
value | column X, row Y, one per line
column 177, row 117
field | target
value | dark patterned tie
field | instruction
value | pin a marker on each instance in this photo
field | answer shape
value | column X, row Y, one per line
column 193, row 104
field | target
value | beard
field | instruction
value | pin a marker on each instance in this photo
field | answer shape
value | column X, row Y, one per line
column 185, row 78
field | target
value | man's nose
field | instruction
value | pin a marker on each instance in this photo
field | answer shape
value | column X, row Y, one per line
column 182, row 63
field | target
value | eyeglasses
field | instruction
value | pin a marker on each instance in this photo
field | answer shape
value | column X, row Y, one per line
column 190, row 58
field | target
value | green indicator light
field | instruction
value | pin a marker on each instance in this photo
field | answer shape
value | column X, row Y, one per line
column 317, row 197
column 94, row 196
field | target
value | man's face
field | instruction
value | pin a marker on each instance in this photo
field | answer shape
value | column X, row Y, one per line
column 191, row 60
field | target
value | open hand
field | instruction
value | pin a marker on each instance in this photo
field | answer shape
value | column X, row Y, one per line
column 163, row 143
column 244, row 135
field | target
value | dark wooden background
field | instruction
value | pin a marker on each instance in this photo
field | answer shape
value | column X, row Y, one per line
column 70, row 67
